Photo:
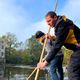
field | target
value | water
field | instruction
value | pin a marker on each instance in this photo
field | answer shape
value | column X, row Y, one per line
column 21, row 73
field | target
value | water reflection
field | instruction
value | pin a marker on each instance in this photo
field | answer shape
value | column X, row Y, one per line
column 2, row 72
column 21, row 73
column 14, row 73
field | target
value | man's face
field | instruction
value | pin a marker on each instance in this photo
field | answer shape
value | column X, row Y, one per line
column 50, row 21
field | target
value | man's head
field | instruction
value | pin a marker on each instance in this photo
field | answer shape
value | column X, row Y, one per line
column 40, row 36
column 51, row 18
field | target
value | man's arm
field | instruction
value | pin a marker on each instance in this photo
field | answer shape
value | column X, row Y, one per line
column 61, row 35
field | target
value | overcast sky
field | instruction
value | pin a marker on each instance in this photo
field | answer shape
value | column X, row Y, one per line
column 25, row 17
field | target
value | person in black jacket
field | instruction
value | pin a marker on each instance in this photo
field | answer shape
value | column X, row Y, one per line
column 67, row 34
column 55, row 67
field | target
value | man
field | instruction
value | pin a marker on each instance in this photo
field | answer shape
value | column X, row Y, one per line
column 55, row 67
column 67, row 34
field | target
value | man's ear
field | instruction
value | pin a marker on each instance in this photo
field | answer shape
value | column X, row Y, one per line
column 55, row 17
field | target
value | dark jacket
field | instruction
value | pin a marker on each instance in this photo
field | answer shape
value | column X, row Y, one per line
column 67, row 34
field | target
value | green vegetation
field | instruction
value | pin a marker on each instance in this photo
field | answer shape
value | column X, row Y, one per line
column 19, row 52
column 25, row 53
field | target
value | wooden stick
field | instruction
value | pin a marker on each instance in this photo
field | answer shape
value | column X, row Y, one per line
column 31, row 73
column 43, row 49
column 40, row 59
column 42, row 54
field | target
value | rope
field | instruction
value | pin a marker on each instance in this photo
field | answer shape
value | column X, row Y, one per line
column 56, row 6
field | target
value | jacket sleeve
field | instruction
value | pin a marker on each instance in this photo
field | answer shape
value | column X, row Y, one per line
column 61, row 35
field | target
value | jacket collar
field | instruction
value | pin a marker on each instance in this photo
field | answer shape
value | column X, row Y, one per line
column 59, row 19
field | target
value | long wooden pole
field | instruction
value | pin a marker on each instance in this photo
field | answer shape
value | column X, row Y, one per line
column 31, row 73
column 42, row 50
column 40, row 59
column 42, row 54
column 45, row 43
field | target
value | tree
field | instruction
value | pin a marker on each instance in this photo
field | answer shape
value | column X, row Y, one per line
column 11, row 43
column 33, row 48
column 10, row 40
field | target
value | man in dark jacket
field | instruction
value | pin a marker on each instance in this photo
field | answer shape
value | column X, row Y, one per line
column 67, row 34
column 55, row 66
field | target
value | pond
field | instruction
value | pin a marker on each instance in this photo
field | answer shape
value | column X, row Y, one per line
column 21, row 73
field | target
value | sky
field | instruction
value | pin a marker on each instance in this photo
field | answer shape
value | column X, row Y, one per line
column 24, row 17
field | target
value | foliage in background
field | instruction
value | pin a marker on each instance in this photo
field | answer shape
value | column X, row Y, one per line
column 16, row 54
column 26, row 53
column 33, row 48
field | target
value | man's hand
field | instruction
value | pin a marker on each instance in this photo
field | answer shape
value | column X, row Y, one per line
column 50, row 37
column 41, row 65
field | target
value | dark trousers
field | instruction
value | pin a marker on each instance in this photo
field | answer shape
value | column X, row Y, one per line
column 74, row 66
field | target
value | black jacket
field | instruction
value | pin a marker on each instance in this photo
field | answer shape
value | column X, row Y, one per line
column 67, row 33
